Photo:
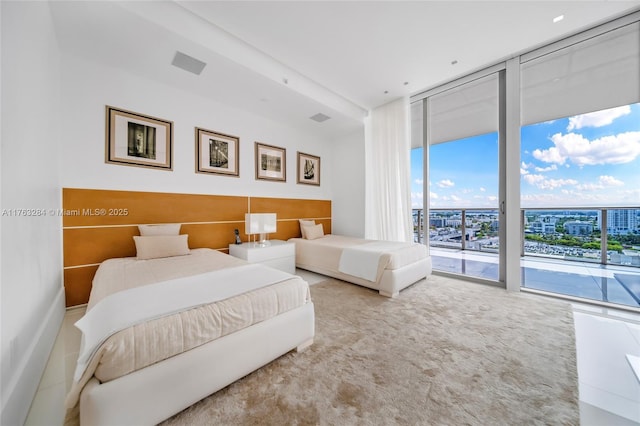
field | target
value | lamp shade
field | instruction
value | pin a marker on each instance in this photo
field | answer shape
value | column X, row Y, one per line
column 259, row 223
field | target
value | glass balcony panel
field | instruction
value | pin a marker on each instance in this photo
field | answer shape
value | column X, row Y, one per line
column 445, row 229
column 564, row 260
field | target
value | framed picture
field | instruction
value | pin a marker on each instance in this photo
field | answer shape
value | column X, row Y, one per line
column 217, row 153
column 271, row 162
column 138, row 140
column 308, row 169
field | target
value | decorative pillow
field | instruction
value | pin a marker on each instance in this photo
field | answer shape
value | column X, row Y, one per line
column 304, row 224
column 161, row 229
column 314, row 232
column 161, row 246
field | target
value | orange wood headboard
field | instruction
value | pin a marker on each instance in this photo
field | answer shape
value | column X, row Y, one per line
column 100, row 224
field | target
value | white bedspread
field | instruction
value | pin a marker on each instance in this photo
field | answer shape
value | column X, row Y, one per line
column 363, row 260
column 130, row 307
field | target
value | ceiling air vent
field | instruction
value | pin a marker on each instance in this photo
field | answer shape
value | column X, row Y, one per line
column 320, row 117
column 188, row 63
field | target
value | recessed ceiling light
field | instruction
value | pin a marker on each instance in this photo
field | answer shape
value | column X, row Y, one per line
column 455, row 61
column 386, row 91
column 406, row 83
column 558, row 19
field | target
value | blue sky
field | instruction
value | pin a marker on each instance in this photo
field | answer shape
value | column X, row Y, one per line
column 586, row 160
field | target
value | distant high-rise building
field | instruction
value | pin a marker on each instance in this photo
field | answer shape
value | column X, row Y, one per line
column 621, row 221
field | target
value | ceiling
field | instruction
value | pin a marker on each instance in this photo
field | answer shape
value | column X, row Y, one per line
column 290, row 60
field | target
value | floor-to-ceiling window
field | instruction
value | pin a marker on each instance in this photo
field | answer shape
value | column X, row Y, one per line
column 577, row 119
column 580, row 164
column 580, row 179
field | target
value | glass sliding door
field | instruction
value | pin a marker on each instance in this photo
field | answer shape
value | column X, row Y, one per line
column 461, row 221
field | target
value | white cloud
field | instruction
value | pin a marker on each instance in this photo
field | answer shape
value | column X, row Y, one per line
column 603, row 182
column 523, row 171
column 456, row 198
column 492, row 198
column 546, row 169
column 533, row 179
column 482, row 189
column 556, row 183
column 433, row 195
column 588, row 187
column 445, row 183
column 618, row 149
column 598, row 118
column 524, row 165
column 419, row 181
column 543, row 183
column 610, row 181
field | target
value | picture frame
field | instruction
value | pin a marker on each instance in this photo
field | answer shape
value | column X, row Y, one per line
column 308, row 169
column 217, row 153
column 271, row 162
column 134, row 139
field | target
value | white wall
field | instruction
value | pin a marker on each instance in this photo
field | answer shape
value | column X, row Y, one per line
column 32, row 298
column 348, row 192
column 87, row 87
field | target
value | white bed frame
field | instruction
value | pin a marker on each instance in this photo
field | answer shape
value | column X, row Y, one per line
column 391, row 281
column 157, row 392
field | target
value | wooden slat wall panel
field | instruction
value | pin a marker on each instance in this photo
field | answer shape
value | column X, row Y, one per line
column 290, row 208
column 148, row 207
column 77, row 284
column 213, row 235
column 208, row 219
column 85, row 246
column 291, row 229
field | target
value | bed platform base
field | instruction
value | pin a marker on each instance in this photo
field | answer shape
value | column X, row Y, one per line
column 155, row 393
column 391, row 282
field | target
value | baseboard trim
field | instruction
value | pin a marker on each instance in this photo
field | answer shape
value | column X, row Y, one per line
column 19, row 394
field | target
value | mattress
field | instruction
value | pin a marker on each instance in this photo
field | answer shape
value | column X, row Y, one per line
column 149, row 342
column 326, row 252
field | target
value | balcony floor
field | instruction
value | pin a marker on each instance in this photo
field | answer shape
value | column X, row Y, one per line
column 590, row 281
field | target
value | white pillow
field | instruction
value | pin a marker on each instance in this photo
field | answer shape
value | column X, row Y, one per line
column 160, row 229
column 314, row 232
column 161, row 246
column 304, row 224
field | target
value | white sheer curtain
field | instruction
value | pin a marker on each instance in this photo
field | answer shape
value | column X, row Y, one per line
column 388, row 174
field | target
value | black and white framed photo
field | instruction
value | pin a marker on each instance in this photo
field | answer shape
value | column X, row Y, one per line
column 308, row 169
column 271, row 162
column 217, row 153
column 134, row 139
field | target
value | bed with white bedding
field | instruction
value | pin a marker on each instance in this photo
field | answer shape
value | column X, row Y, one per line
column 162, row 333
column 385, row 266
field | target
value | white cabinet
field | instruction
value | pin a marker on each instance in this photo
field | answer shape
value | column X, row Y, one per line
column 278, row 254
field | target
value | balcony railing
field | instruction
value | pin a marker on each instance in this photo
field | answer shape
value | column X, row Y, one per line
column 562, row 233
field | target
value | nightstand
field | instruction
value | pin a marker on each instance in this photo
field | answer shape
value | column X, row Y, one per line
column 279, row 254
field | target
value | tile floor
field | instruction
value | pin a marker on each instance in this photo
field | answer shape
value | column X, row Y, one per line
column 609, row 390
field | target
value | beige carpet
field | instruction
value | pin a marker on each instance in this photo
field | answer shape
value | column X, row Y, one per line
column 444, row 352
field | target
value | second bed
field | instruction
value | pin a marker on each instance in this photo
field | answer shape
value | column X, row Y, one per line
column 385, row 266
